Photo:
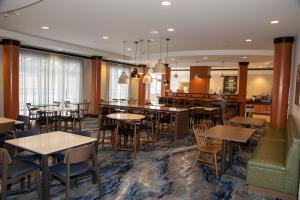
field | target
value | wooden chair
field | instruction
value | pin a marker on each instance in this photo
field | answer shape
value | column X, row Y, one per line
column 32, row 114
column 15, row 170
column 85, row 107
column 206, row 149
column 77, row 161
column 44, row 119
column 6, row 131
column 147, row 126
column 72, row 120
column 232, row 107
column 105, row 124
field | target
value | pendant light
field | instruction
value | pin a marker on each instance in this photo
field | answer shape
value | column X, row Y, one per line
column 134, row 73
column 222, row 75
column 176, row 75
column 167, row 82
column 123, row 79
column 160, row 67
column 141, row 66
column 148, row 77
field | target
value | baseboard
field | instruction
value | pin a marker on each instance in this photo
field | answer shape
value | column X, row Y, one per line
column 271, row 193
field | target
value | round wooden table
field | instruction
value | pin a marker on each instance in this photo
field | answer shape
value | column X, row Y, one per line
column 129, row 118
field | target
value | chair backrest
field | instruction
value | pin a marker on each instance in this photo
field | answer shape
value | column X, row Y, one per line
column 209, row 123
column 7, row 127
column 57, row 103
column 67, row 103
column 27, row 133
column 198, row 129
column 4, row 157
column 79, row 154
column 82, row 133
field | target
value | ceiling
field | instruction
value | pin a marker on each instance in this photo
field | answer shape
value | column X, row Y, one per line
column 200, row 26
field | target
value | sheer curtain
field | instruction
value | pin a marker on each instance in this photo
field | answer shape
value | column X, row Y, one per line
column 114, row 89
column 45, row 78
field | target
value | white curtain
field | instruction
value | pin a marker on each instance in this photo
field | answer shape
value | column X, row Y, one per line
column 155, row 88
column 114, row 89
column 46, row 77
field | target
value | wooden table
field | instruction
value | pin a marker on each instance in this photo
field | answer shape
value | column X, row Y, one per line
column 207, row 109
column 46, row 144
column 181, row 115
column 128, row 117
column 228, row 134
column 247, row 121
column 6, row 120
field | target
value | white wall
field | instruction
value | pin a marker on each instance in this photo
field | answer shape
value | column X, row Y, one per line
column 183, row 76
column 259, row 83
column 293, row 108
column 1, row 82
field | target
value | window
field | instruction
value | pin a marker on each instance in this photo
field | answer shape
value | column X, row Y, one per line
column 114, row 89
column 155, row 88
column 45, row 78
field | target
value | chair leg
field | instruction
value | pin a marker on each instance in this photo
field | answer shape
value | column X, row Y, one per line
column 29, row 181
column 195, row 162
column 3, row 189
column 68, row 189
column 216, row 164
column 103, row 136
column 39, row 184
column 99, row 181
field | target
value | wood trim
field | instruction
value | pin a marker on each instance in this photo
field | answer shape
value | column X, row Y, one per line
column 96, row 85
column 11, row 79
column 242, row 88
column 267, row 192
column 281, row 83
column 142, row 88
column 287, row 39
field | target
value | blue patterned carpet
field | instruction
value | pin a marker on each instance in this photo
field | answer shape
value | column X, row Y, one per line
column 163, row 171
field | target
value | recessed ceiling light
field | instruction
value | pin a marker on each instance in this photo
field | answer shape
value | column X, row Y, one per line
column 166, row 3
column 172, row 58
column 45, row 27
column 105, row 37
column 248, row 40
column 154, row 32
column 59, row 49
column 274, row 22
column 205, row 58
column 129, row 49
column 171, row 29
column 244, row 57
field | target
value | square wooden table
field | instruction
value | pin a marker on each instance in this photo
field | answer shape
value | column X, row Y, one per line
column 49, row 143
column 228, row 134
column 247, row 121
column 6, row 120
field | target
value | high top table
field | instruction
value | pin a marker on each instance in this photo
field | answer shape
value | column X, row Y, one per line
column 181, row 115
column 47, row 144
column 127, row 117
column 228, row 134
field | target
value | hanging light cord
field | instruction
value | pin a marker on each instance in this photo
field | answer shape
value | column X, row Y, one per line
column 124, row 55
column 167, row 50
column 148, row 53
column 136, row 46
column 141, row 51
column 160, row 48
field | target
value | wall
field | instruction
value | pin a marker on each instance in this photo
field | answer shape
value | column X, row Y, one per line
column 201, row 84
column 1, row 82
column 258, row 82
column 293, row 108
column 183, row 76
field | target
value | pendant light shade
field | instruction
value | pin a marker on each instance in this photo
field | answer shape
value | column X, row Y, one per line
column 134, row 73
column 147, row 78
column 166, row 82
column 160, row 68
column 222, row 75
column 124, row 79
column 176, row 75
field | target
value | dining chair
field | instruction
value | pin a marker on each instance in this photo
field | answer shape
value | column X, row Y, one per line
column 207, row 150
column 32, row 113
column 57, row 103
column 77, row 161
column 14, row 170
column 105, row 125
column 72, row 120
column 6, row 131
column 24, row 154
column 85, row 107
column 147, row 126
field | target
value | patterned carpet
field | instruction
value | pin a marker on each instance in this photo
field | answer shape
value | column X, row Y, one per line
column 163, row 171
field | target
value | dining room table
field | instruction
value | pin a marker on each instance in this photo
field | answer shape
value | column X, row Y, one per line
column 229, row 135
column 19, row 124
column 47, row 144
column 247, row 121
column 127, row 118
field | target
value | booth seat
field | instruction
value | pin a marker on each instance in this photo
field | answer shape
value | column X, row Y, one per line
column 275, row 163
